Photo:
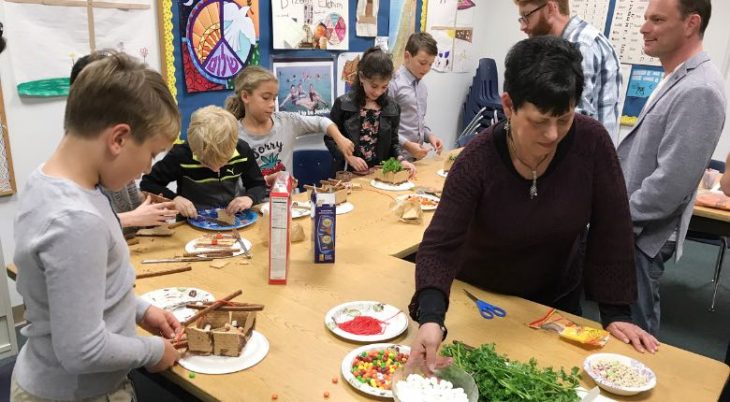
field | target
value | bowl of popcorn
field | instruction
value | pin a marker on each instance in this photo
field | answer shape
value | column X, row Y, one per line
column 618, row 374
column 450, row 384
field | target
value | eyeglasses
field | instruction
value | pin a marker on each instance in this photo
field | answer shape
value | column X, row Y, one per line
column 525, row 18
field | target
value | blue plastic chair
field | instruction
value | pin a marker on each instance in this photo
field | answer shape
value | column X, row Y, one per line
column 311, row 166
column 713, row 239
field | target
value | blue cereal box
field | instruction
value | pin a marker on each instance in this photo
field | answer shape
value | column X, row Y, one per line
column 325, row 217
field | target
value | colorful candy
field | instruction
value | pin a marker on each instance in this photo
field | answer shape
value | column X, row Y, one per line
column 376, row 367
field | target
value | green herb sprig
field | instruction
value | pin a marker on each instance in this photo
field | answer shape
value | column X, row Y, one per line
column 392, row 165
column 504, row 380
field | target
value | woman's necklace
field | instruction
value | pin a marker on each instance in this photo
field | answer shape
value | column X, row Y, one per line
column 511, row 143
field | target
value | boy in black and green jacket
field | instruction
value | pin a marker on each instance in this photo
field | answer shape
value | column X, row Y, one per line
column 213, row 169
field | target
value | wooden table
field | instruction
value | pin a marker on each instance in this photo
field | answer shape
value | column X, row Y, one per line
column 305, row 356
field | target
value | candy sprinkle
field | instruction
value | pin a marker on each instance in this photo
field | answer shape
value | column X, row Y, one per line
column 335, row 380
column 191, row 374
column 326, row 394
column 274, row 396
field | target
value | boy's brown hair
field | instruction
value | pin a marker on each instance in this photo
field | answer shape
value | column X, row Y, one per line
column 563, row 5
column 247, row 80
column 212, row 135
column 117, row 89
column 421, row 41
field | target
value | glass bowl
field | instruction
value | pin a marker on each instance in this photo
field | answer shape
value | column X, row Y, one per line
column 454, row 374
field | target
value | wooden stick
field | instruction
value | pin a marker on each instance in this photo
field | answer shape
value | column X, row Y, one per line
column 245, row 307
column 212, row 307
column 164, row 272
column 76, row 3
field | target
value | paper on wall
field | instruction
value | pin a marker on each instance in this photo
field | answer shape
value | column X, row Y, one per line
column 367, row 18
column 322, row 24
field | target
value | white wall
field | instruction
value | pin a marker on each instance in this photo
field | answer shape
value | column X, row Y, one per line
column 35, row 127
column 498, row 30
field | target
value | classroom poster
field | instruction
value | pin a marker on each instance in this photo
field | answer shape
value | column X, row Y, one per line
column 367, row 18
column 642, row 82
column 218, row 39
column 626, row 37
column 42, row 67
column 346, row 71
column 310, row 24
column 306, row 86
column 401, row 25
column 594, row 12
column 451, row 23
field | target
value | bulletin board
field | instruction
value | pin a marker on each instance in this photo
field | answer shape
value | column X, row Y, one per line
column 173, row 68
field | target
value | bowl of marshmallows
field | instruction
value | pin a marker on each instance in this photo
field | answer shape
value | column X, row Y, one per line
column 450, row 384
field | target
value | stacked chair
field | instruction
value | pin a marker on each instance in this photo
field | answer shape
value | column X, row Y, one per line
column 483, row 106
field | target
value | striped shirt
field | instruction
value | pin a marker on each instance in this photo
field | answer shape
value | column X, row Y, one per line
column 602, row 73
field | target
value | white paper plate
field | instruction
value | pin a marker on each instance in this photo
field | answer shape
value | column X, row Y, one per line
column 190, row 247
column 344, row 208
column 397, row 320
column 347, row 366
column 254, row 351
column 442, row 173
column 296, row 213
column 392, row 187
column 175, row 299
column 426, row 196
column 602, row 382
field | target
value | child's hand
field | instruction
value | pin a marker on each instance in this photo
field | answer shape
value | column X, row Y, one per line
column 345, row 145
column 185, row 207
column 169, row 357
column 436, row 142
column 159, row 321
column 418, row 151
column 357, row 163
column 239, row 204
column 409, row 167
column 148, row 214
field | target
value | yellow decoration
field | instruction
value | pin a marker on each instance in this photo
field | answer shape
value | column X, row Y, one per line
column 629, row 120
column 168, row 56
column 424, row 8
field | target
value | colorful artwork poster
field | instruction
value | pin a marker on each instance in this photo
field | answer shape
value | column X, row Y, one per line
column 346, row 71
column 218, row 39
column 401, row 25
column 306, row 86
column 642, row 82
column 310, row 24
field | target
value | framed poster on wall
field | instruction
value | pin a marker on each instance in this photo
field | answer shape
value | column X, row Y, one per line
column 306, row 85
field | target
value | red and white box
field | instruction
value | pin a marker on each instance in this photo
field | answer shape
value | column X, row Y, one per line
column 279, row 224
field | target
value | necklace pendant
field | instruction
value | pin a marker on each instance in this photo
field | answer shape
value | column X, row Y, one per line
column 533, row 187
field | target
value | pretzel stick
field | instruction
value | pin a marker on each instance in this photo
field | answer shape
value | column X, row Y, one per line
column 180, row 344
column 164, row 272
column 210, row 308
column 245, row 307
column 209, row 253
column 176, row 224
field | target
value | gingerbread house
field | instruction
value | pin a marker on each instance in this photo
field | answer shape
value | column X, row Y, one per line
column 222, row 332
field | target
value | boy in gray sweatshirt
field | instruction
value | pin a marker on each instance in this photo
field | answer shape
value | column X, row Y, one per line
column 73, row 264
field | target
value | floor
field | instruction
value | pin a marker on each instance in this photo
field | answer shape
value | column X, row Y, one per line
column 686, row 322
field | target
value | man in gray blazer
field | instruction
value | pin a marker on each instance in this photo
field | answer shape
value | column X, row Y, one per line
column 664, row 156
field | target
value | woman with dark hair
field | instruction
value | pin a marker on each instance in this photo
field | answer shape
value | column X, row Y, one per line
column 368, row 116
column 519, row 198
